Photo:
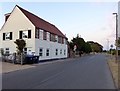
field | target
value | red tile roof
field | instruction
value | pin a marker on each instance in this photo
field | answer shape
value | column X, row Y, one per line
column 42, row 24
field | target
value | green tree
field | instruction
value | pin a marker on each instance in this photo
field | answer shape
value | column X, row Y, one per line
column 79, row 42
column 96, row 47
column 87, row 48
column 71, row 45
column 20, row 46
column 2, row 51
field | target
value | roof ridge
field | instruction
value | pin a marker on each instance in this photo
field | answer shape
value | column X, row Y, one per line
column 35, row 15
column 41, row 23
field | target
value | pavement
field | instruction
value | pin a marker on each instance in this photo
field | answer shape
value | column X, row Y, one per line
column 89, row 72
column 10, row 67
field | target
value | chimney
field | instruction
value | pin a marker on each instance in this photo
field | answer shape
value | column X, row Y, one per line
column 7, row 16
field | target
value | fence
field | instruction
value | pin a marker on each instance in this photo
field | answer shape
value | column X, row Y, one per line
column 13, row 58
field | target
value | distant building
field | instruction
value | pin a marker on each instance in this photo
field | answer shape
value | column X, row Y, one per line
column 42, row 38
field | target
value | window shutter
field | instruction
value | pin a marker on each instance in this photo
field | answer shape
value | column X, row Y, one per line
column 20, row 34
column 3, row 36
column 10, row 35
column 29, row 33
column 36, row 33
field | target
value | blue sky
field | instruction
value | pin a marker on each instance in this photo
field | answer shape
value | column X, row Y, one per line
column 93, row 21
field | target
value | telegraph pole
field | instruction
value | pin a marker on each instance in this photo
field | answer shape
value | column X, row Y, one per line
column 116, row 15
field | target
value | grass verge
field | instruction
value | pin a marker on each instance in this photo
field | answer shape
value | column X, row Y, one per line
column 114, row 70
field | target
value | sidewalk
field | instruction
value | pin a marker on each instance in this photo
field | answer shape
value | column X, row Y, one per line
column 114, row 70
column 9, row 67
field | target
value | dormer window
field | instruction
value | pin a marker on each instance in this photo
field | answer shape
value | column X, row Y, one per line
column 44, row 35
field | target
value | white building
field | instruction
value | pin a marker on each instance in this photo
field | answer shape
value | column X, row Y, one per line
column 42, row 37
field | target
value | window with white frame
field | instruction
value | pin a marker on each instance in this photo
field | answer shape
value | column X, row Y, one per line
column 25, row 50
column 25, row 34
column 7, row 36
column 7, row 51
column 47, row 52
column 56, row 38
column 48, row 36
column 64, row 41
column 52, row 37
column 37, row 33
column 64, row 52
column 59, row 39
column 40, row 34
column 44, row 35
column 56, row 52
column 41, row 52
column 60, row 51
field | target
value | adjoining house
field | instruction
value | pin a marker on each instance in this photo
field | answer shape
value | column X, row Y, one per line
column 42, row 38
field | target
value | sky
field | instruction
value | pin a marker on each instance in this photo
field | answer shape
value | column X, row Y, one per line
column 92, row 20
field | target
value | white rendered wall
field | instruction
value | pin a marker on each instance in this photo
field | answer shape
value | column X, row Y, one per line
column 15, row 23
column 52, row 46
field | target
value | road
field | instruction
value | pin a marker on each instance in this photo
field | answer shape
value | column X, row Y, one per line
column 88, row 72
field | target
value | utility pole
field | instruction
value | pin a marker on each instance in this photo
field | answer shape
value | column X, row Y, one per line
column 116, row 36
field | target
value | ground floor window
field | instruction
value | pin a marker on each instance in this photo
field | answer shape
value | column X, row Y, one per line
column 41, row 52
column 56, row 52
column 47, row 52
column 64, row 52
column 25, row 50
column 61, row 51
column 7, row 51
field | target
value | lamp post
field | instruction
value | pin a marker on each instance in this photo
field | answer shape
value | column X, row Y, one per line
column 116, row 35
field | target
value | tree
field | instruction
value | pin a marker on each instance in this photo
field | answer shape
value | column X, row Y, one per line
column 2, row 51
column 87, row 48
column 79, row 43
column 71, row 45
column 20, row 46
column 96, row 47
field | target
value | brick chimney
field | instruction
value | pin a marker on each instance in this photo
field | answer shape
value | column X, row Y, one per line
column 7, row 16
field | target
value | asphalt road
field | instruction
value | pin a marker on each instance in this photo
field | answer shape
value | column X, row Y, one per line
column 88, row 72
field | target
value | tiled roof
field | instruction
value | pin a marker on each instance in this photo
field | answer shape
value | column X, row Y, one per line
column 42, row 24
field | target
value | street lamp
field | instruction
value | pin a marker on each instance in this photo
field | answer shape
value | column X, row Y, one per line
column 116, row 35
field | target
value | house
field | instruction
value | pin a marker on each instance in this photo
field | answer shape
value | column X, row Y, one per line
column 42, row 38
